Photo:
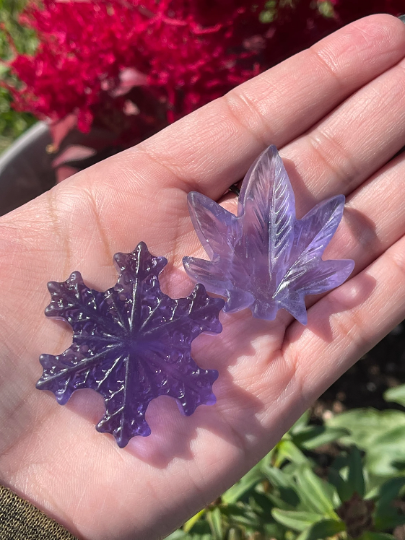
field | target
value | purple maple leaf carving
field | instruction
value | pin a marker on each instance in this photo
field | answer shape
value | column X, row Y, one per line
column 265, row 258
column 131, row 344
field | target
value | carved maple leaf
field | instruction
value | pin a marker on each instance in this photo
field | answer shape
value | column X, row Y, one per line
column 264, row 257
column 131, row 344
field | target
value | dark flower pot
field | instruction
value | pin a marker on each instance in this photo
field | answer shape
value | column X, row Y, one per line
column 25, row 168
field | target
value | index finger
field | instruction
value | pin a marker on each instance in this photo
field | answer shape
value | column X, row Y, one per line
column 213, row 147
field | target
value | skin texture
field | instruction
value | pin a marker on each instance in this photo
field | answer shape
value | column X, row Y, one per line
column 337, row 113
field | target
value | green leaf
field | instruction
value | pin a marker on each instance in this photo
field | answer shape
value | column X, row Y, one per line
column 260, row 503
column 380, row 433
column 267, row 16
column 341, row 485
column 201, row 531
column 273, row 531
column 234, row 534
column 240, row 514
column 386, row 456
column 366, row 424
column 192, row 521
column 326, row 9
column 341, row 463
column 240, row 488
column 267, row 460
column 314, row 436
column 287, row 450
column 279, row 502
column 214, row 519
column 389, row 522
column 356, row 477
column 314, row 493
column 322, row 529
column 388, row 492
column 376, row 536
column 387, row 516
column 285, row 492
column 278, row 478
column 301, row 423
column 396, row 395
column 298, row 521
column 372, row 492
column 178, row 535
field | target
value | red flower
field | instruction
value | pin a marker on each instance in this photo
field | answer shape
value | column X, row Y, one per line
column 131, row 67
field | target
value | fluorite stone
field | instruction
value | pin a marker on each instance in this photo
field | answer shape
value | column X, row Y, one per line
column 264, row 258
column 131, row 344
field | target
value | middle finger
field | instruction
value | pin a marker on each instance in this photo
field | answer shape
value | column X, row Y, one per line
column 351, row 143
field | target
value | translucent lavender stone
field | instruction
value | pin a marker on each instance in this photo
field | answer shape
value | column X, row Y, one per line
column 265, row 258
column 131, row 344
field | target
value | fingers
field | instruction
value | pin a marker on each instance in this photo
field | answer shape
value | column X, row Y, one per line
column 374, row 217
column 213, row 147
column 346, row 147
column 348, row 322
column 373, row 220
column 368, row 229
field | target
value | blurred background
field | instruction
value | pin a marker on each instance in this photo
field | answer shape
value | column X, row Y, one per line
column 83, row 79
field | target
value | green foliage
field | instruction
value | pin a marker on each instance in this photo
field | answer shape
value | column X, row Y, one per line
column 23, row 38
column 376, row 536
column 380, row 433
column 355, row 478
column 12, row 123
column 288, row 496
column 269, row 14
column 326, row 9
column 396, row 395
column 323, row 529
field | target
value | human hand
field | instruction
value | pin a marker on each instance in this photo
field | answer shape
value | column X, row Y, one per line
column 337, row 113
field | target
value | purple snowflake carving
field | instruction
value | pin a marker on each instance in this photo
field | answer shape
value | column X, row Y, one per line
column 131, row 344
column 265, row 258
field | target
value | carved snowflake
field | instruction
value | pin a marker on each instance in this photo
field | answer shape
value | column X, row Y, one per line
column 131, row 344
column 264, row 257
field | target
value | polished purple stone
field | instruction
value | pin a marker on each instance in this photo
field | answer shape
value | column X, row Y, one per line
column 265, row 258
column 131, row 344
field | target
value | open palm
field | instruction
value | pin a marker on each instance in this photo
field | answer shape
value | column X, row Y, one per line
column 337, row 113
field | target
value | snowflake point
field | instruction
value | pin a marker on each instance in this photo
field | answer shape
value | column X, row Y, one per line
column 131, row 344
